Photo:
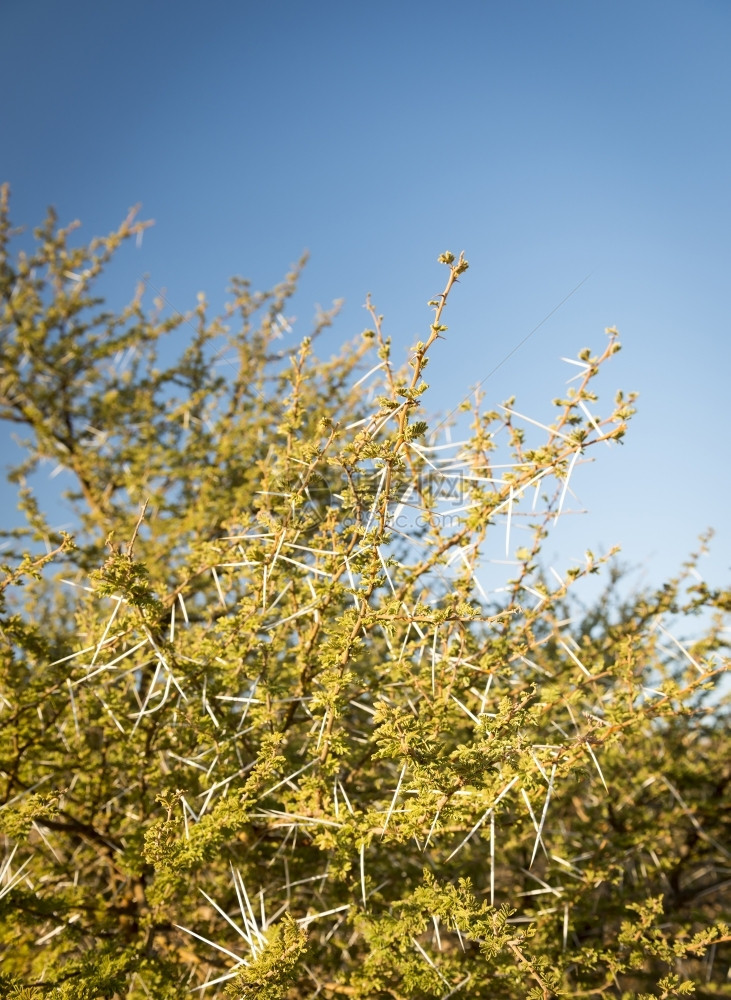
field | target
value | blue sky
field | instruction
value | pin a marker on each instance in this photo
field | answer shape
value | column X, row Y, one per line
column 550, row 140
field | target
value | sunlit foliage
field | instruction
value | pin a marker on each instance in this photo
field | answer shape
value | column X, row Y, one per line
column 267, row 731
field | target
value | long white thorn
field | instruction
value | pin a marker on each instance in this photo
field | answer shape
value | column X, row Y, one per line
column 492, row 859
column 458, row 987
column 228, row 919
column 431, row 830
column 434, row 660
column 566, row 483
column 596, row 765
column 543, row 816
column 362, row 875
column 482, row 818
column 251, row 920
column 106, row 630
column 551, row 430
column 205, row 940
column 534, row 821
column 508, row 523
column 574, row 657
column 221, row 979
column 465, row 709
column 421, row 950
column 393, row 800
column 288, row 778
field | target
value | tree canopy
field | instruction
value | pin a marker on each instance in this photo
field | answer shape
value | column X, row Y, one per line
column 264, row 731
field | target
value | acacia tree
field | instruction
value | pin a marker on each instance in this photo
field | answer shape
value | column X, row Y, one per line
column 265, row 733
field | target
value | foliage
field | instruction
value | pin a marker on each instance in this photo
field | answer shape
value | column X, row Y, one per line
column 264, row 731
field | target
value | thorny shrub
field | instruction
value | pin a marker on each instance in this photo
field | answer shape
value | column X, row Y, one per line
column 264, row 732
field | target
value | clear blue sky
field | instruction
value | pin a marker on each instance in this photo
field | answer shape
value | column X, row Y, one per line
column 549, row 139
